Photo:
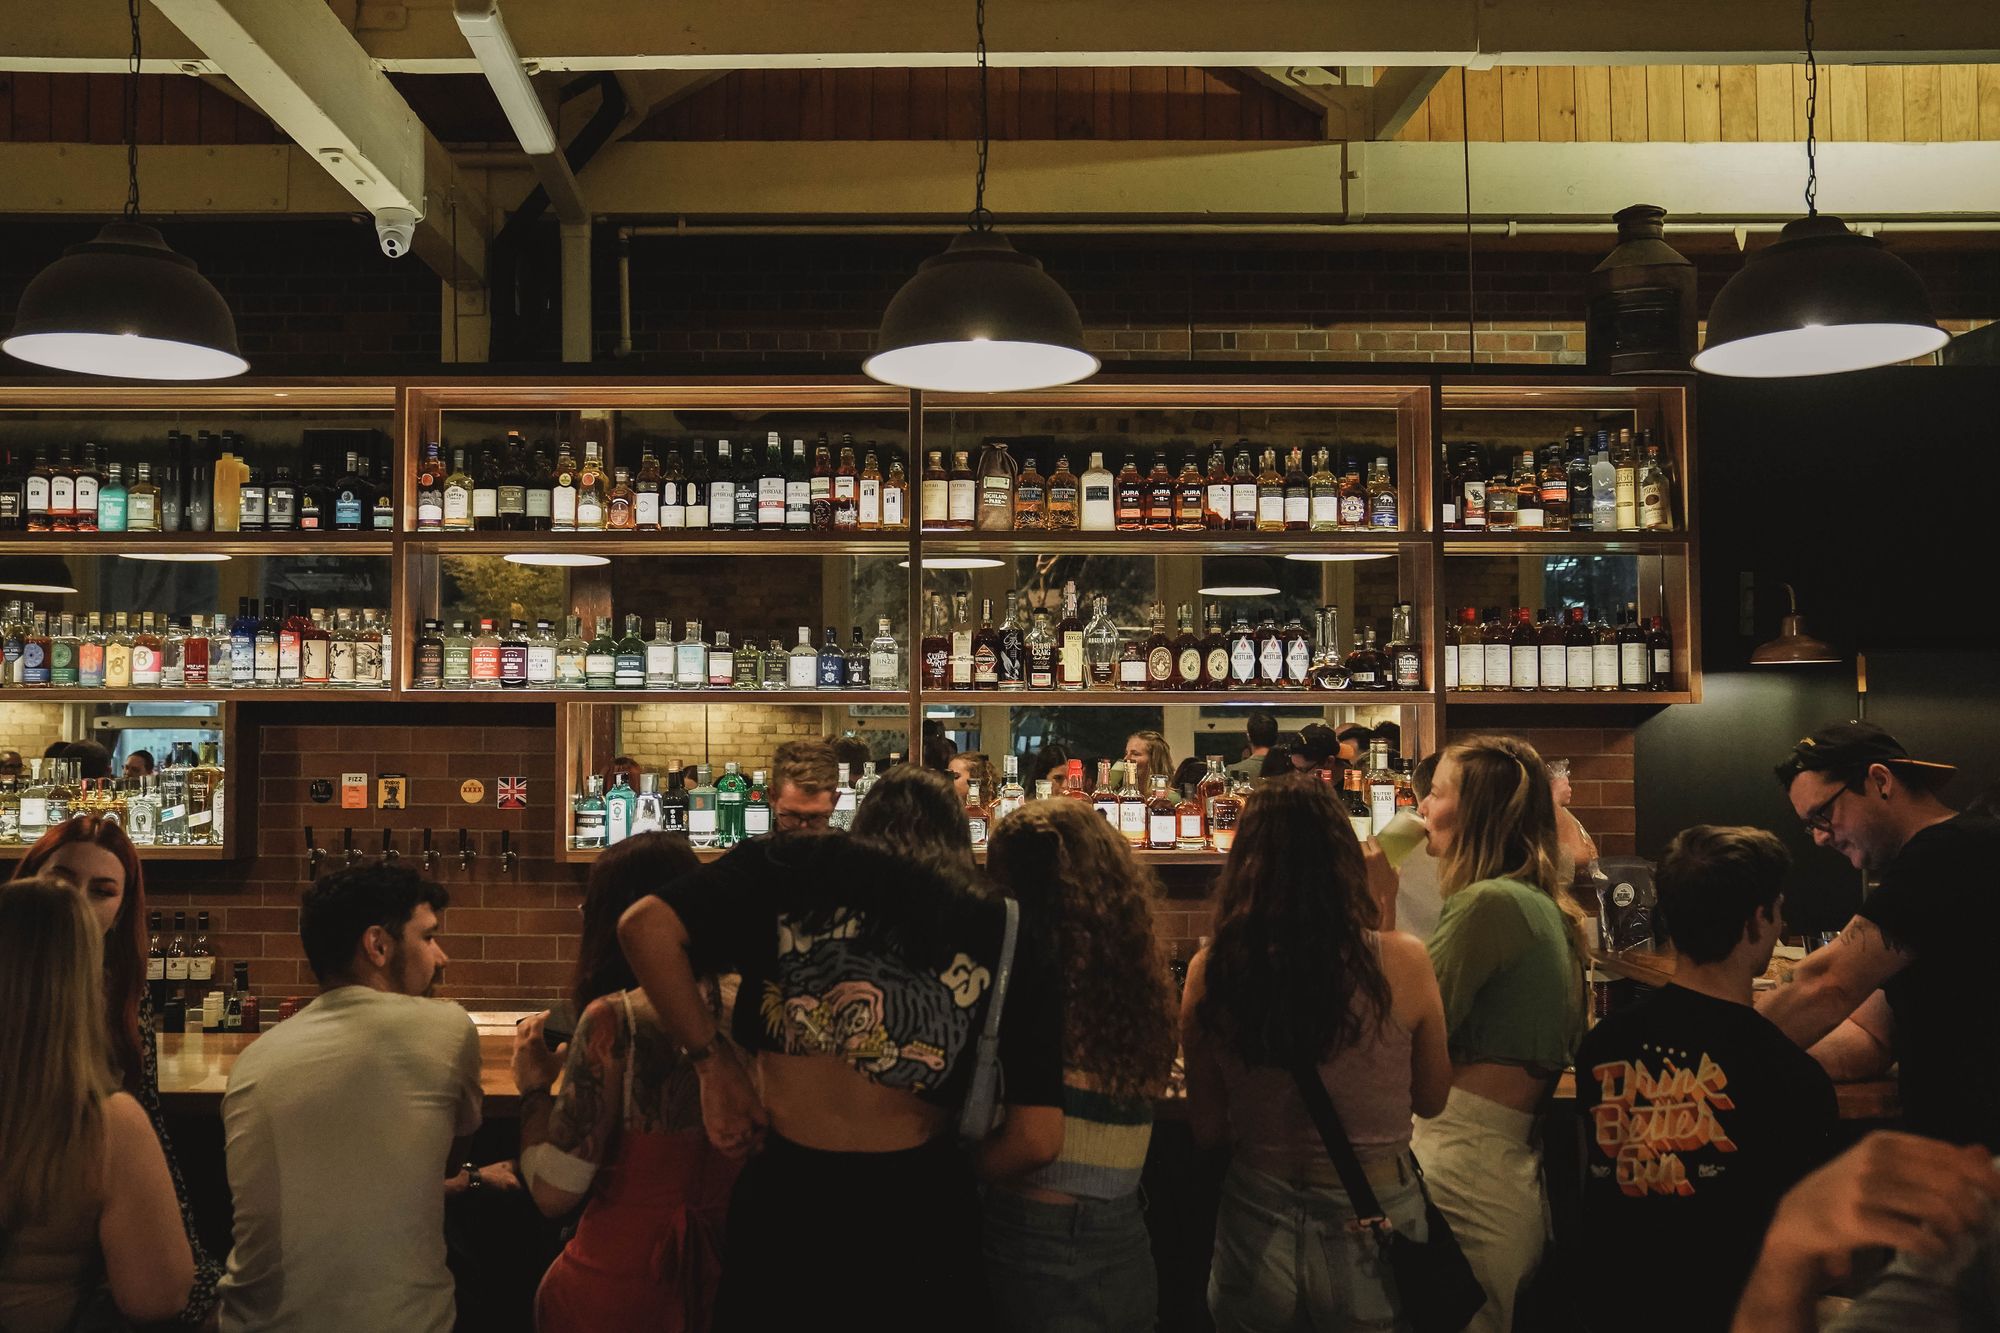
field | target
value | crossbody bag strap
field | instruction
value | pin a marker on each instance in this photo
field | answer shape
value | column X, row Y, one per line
column 1367, row 1209
column 982, row 1095
column 1004, row 973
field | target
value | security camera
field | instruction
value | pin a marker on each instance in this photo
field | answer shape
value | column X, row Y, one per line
column 396, row 229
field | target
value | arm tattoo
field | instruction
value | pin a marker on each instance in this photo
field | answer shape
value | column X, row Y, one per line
column 585, row 1117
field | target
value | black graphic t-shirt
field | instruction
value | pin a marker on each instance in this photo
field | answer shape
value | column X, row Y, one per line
column 1697, row 1115
column 1940, row 900
column 848, row 951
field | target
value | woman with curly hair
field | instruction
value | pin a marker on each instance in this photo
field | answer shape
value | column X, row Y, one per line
column 93, row 856
column 1300, row 976
column 1066, row 1244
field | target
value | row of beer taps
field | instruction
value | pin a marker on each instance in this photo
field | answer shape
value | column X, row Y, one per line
column 349, row 855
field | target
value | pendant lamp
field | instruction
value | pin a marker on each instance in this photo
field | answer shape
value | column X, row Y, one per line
column 1793, row 646
column 982, row 317
column 125, row 304
column 1821, row 299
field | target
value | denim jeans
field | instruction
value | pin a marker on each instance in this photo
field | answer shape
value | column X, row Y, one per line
column 1288, row 1256
column 1083, row 1267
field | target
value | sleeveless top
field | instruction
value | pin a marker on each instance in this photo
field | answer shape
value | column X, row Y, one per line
column 1369, row 1083
column 46, row 1266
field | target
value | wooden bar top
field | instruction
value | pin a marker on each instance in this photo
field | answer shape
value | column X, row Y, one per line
column 194, row 1068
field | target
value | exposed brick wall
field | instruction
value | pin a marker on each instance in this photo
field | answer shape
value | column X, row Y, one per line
column 30, row 727
column 655, row 734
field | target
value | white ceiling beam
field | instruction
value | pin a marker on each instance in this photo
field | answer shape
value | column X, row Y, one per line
column 305, row 71
column 1397, row 95
column 1344, row 111
column 485, row 31
column 419, row 36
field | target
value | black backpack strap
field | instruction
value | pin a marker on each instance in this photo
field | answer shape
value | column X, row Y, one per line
column 1367, row 1209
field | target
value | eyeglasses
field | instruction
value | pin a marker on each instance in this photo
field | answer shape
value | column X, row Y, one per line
column 1820, row 818
column 792, row 819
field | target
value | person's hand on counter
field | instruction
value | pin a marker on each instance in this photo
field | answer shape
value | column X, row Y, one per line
column 1903, row 1191
column 535, row 1065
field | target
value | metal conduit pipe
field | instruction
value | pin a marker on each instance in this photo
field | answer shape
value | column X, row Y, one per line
column 1739, row 230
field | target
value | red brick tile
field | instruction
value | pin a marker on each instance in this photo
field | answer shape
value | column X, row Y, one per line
column 521, row 946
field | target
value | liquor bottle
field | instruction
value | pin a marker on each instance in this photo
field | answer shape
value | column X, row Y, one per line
column 1187, row 651
column 90, row 654
column 1635, row 660
column 1380, row 782
column 483, row 656
column 1603, row 655
column 562, row 490
column 1660, row 644
column 13, row 494
column 855, row 657
column 674, row 802
column 802, row 663
column 62, row 492
column 994, row 511
column 1104, row 796
column 600, row 658
column 1270, row 653
column 1524, row 658
column 588, row 815
column 1553, row 659
column 1625, row 482
column 977, row 816
column 1162, row 816
column 1191, row 815
column 142, row 502
column 572, row 653
column 756, row 804
column 1555, row 491
column 1131, row 665
column 959, row 672
column 281, row 502
column 986, row 649
column 205, row 781
column 731, row 795
column 1526, row 480
column 1132, row 807
column 1503, row 497
column 1350, row 498
column 353, row 497
column 1215, row 490
column 455, row 658
column 934, row 651
column 1405, row 667
column 621, row 503
column 1494, row 638
column 1354, row 800
column 1160, row 496
column 1225, row 811
column 1654, row 510
column 1472, row 490
column 703, row 820
column 750, row 476
column 379, row 506
column 1576, row 471
column 936, row 493
column 691, row 659
column 1242, row 655
column 142, row 815
column 1363, row 665
column 895, row 498
column 429, row 478
column 456, row 501
column 830, row 667
column 1098, row 510
column 628, row 658
column 156, row 958
column 962, row 487
column 673, row 494
column 1242, row 492
column 1578, row 667
column 722, row 488
column 884, row 659
column 1069, row 641
column 146, row 651
column 429, row 659
column 1329, row 668
column 1188, row 496
column 113, row 501
column 1296, row 647
column 1159, row 652
column 1101, row 643
column 1214, row 651
column 699, row 489
column 1010, row 648
column 1042, row 652
column 867, row 492
column 538, row 498
column 1130, row 498
column 590, row 490
column 1270, row 495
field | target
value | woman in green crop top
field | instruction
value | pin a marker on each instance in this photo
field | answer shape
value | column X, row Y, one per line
column 1511, row 976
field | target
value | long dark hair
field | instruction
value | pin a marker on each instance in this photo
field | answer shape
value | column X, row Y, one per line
column 625, row 873
column 124, row 943
column 1293, row 973
column 1082, row 889
column 915, row 812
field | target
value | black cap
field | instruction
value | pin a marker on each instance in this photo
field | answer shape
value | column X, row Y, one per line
column 1317, row 743
column 1846, row 746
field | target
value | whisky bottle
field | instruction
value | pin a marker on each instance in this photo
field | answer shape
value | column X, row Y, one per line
column 697, row 490
column 646, row 488
column 1577, row 664
column 1011, row 796
column 722, row 488
column 1160, row 496
column 1635, row 661
column 976, row 815
column 985, row 649
column 1069, row 642
column 749, row 476
column 1364, row 667
column 1298, row 495
column 997, row 473
column 620, row 508
column 1270, row 653
column 1042, row 651
column 456, row 503
column 1270, row 495
column 1242, row 655
column 562, row 491
column 819, row 488
column 1191, row 814
column 1216, row 505
column 1603, row 655
column 895, row 498
column 936, row 493
column 1101, row 644
column 1104, row 796
column 960, row 667
column 1159, row 652
column 1187, row 651
column 1030, row 498
column 1131, row 497
column 1062, row 497
column 1162, row 816
column 538, row 500
column 1132, row 810
column 961, row 493
column 1503, row 497
column 1242, row 491
column 1224, row 813
column 1329, row 669
column 1555, row 491
column 1660, row 644
column 1012, row 667
column 1214, row 651
column 1553, row 664
column 798, row 489
column 512, row 500
column 1298, row 654
column 590, row 495
column 1654, row 510
column 1190, row 512
column 1526, row 480
column 867, row 496
column 1098, row 506
column 771, row 488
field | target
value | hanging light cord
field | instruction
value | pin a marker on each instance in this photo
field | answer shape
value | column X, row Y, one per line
column 1465, row 158
column 132, row 116
column 1812, row 108
column 980, row 218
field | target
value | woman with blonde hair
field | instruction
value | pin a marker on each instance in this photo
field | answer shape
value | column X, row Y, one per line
column 91, row 1228
column 1510, row 970
column 1066, row 1244
column 1147, row 753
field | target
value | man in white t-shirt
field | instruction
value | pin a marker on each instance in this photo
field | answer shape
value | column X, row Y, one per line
column 339, row 1121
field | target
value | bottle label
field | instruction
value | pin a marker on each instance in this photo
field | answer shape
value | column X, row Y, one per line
column 1132, row 820
column 38, row 495
column 562, row 505
column 1663, row 662
column 347, row 510
column 1451, row 666
column 1271, row 660
column 1634, row 670
column 1094, row 494
column 832, row 674
column 485, row 502
column 1528, row 518
column 721, row 504
column 646, row 509
column 590, row 512
column 1243, row 661
column 1471, row 667
column 1325, row 510
column 1298, row 660
column 800, row 670
column 486, row 661
column 201, row 967
column 1353, row 511
column 1190, row 829
column 985, row 666
column 1189, row 666
column 1072, row 659
column 1382, row 514
column 176, row 968
column 536, row 503
column 1525, row 672
column 514, row 661
column 1243, row 501
column 512, row 499
column 1578, row 674
column 1160, row 830
column 1603, row 665
column 882, row 667
column 1554, row 667
column 1160, row 666
column 145, row 665
column 771, row 502
column 892, row 507
column 457, row 504
column 1218, row 664
column 156, row 968
column 313, row 660
column 798, row 502
column 1271, row 508
column 962, row 501
column 1499, row 667
column 142, row 513
column 1132, row 671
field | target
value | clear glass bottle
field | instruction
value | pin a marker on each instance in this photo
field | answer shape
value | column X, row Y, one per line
column 456, row 671
column 660, row 657
column 845, row 800
column 600, row 658
column 721, row 662
column 777, row 665
column 1011, row 796
column 691, row 659
column 1041, row 651
column 1101, row 643
column 621, row 806
column 802, row 663
column 588, row 816
column 628, row 663
column 542, row 657
column 747, row 666
column 485, row 656
column 591, row 498
column 703, row 826
column 885, row 668
column 142, row 811
column 571, row 651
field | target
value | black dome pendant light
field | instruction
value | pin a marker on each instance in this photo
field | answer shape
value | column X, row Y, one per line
column 982, row 317
column 125, row 304
column 1821, row 299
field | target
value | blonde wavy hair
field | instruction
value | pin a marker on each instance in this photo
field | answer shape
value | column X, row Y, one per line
column 55, row 1060
column 1159, row 759
column 1083, row 892
column 1506, row 823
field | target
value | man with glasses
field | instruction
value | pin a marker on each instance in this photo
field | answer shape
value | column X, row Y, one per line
column 805, row 782
column 1907, row 978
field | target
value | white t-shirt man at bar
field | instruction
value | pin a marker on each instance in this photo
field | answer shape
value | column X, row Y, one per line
column 339, row 1121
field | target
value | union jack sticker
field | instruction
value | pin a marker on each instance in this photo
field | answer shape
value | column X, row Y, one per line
column 513, row 793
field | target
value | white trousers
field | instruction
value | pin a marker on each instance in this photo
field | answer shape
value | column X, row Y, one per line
column 1485, row 1175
